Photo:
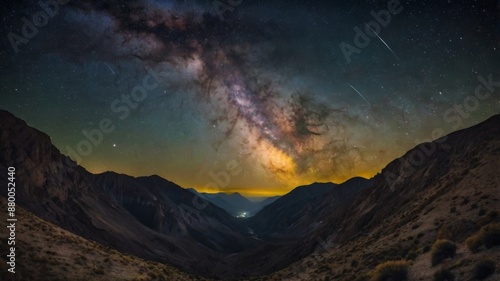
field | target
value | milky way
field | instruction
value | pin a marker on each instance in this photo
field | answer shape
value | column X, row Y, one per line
column 264, row 84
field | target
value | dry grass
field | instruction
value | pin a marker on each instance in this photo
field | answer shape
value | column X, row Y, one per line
column 441, row 250
column 488, row 236
column 43, row 247
column 391, row 270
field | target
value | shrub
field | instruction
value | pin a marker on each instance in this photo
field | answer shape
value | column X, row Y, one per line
column 441, row 250
column 488, row 236
column 484, row 269
column 473, row 243
column 391, row 270
column 444, row 275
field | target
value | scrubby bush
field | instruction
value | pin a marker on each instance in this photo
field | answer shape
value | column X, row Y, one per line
column 488, row 236
column 391, row 270
column 441, row 250
column 483, row 269
column 473, row 243
column 444, row 275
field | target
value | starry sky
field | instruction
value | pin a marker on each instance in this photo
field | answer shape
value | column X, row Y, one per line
column 250, row 96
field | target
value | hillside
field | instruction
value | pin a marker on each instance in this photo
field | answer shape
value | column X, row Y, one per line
column 450, row 194
column 43, row 247
column 447, row 189
column 149, row 217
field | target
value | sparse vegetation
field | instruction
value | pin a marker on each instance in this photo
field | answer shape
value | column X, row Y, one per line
column 391, row 270
column 60, row 255
column 483, row 269
column 441, row 250
column 488, row 236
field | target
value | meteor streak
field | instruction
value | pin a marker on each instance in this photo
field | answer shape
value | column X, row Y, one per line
column 384, row 43
column 359, row 93
column 111, row 69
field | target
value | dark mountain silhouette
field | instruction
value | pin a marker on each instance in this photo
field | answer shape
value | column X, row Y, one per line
column 298, row 211
column 446, row 189
column 148, row 216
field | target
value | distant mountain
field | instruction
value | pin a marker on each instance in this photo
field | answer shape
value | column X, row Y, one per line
column 262, row 204
column 235, row 204
column 445, row 189
column 149, row 217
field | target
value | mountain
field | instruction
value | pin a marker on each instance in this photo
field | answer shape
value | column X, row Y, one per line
column 149, row 217
column 45, row 247
column 445, row 189
column 296, row 211
column 235, row 204
column 259, row 205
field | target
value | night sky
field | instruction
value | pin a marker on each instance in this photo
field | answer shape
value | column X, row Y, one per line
column 250, row 96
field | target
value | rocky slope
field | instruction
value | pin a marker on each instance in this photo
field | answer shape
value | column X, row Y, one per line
column 60, row 255
column 148, row 217
column 447, row 189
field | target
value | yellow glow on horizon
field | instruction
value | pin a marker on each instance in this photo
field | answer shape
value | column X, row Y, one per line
column 275, row 191
column 281, row 165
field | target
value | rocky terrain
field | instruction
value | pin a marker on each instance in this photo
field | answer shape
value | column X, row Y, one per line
column 440, row 193
column 450, row 193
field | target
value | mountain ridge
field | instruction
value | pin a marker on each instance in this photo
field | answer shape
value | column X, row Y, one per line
column 157, row 220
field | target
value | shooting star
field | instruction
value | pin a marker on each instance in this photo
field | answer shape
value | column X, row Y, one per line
column 384, row 43
column 111, row 69
column 359, row 93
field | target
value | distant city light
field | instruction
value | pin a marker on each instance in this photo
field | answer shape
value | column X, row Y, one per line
column 242, row 215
